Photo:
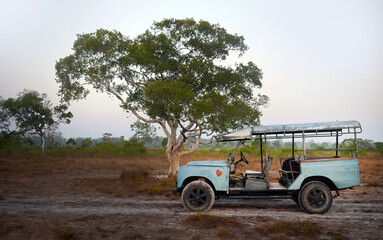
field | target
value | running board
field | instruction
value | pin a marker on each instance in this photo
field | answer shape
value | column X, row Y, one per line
column 260, row 197
column 270, row 192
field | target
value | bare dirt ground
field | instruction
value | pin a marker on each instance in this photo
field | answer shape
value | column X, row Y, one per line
column 49, row 198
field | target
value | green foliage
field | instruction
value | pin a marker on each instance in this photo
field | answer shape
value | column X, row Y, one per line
column 167, row 99
column 107, row 137
column 9, row 144
column 12, row 144
column 164, row 142
column 33, row 114
column 120, row 149
column 71, row 142
column 364, row 145
column 86, row 143
column 379, row 148
column 131, row 148
column 170, row 72
column 4, row 117
column 144, row 133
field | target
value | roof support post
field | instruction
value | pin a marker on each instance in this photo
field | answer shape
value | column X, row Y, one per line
column 261, row 139
column 356, row 143
column 293, row 146
column 337, row 145
column 304, row 145
column 266, row 150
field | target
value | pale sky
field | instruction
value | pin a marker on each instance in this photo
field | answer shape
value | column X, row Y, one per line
column 322, row 60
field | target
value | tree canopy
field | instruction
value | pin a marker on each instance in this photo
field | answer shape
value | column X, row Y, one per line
column 172, row 74
column 33, row 114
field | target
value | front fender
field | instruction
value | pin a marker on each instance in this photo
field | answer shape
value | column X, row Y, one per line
column 217, row 175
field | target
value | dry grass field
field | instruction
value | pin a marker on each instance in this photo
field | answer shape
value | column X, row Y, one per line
column 44, row 197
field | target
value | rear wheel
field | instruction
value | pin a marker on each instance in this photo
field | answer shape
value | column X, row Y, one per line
column 198, row 196
column 315, row 197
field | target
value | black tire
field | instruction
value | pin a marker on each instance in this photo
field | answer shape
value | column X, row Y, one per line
column 315, row 197
column 198, row 196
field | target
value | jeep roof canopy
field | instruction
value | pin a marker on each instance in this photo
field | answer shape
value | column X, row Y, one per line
column 292, row 131
column 324, row 129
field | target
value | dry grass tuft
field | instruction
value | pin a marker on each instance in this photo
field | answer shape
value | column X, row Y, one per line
column 66, row 233
column 162, row 186
column 374, row 184
column 141, row 181
column 134, row 177
column 210, row 221
column 132, row 236
column 224, row 232
column 196, row 237
column 291, row 229
column 336, row 235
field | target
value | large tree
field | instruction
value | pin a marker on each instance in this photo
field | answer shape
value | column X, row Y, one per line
column 33, row 114
column 172, row 75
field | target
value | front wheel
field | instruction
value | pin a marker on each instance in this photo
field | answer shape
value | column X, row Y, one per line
column 198, row 196
column 315, row 197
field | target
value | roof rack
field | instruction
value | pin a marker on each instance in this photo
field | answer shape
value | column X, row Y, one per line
column 304, row 130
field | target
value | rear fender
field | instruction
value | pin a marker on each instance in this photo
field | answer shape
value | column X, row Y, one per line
column 338, row 174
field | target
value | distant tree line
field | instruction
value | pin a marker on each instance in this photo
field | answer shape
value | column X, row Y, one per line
column 30, row 122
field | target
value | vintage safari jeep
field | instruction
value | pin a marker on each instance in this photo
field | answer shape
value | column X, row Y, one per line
column 309, row 181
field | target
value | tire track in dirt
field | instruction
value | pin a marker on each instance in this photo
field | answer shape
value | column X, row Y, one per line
column 273, row 208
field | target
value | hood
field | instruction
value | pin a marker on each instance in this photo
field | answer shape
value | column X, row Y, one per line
column 208, row 163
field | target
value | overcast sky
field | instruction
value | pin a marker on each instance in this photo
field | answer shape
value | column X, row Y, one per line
column 322, row 60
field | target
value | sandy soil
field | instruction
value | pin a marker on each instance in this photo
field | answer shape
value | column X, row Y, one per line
column 92, row 203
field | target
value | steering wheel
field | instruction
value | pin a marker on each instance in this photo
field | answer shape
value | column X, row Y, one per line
column 244, row 159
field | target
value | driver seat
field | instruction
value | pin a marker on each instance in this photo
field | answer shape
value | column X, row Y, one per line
column 260, row 175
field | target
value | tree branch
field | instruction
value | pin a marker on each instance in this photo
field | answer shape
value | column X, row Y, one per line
column 123, row 103
column 206, row 143
column 195, row 146
column 163, row 125
column 182, row 138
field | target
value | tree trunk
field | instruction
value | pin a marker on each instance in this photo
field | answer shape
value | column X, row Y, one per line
column 174, row 145
column 174, row 162
column 43, row 144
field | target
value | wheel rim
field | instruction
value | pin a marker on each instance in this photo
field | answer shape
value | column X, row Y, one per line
column 316, row 198
column 197, row 197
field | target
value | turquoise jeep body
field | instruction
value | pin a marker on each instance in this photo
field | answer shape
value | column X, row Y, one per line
column 309, row 178
column 343, row 173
